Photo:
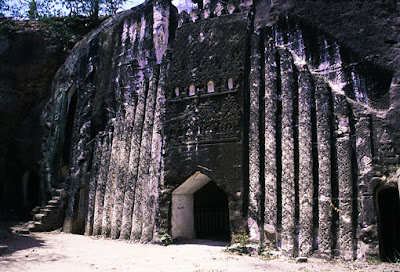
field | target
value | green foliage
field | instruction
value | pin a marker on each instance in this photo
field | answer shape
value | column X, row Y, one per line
column 91, row 8
column 39, row 9
column 165, row 238
column 32, row 10
column 2, row 8
column 261, row 249
column 243, row 240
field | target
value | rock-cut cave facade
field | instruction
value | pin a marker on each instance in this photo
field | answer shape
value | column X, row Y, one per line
column 216, row 122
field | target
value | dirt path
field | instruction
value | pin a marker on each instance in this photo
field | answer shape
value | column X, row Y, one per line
column 67, row 252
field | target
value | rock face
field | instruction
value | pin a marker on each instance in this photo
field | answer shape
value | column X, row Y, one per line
column 295, row 127
column 30, row 54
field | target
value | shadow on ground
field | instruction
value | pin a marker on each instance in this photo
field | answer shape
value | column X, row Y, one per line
column 11, row 242
column 202, row 242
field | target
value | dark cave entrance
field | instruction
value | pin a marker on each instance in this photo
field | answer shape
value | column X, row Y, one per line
column 32, row 190
column 71, row 109
column 388, row 209
column 199, row 210
column 211, row 213
column 80, row 208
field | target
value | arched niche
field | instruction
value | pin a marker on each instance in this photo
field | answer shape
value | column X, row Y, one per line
column 199, row 209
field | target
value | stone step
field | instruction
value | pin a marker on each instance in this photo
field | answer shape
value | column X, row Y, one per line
column 54, row 202
column 46, row 211
column 39, row 216
column 37, row 226
column 56, row 198
column 59, row 192
column 3, row 249
column 20, row 229
column 52, row 207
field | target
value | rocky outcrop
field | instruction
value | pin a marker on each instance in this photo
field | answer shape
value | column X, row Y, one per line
column 30, row 54
column 104, row 125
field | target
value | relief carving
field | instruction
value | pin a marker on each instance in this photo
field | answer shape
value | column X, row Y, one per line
column 204, row 122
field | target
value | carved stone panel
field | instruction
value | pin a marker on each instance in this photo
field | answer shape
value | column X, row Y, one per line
column 211, row 120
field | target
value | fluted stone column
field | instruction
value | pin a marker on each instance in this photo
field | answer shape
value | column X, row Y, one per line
column 155, row 171
column 143, row 170
column 141, row 84
column 367, row 218
column 254, row 209
column 270, row 216
column 288, row 179
column 111, row 178
column 324, row 170
column 112, row 181
column 130, row 108
column 343, row 153
column 161, row 13
column 131, row 176
column 97, row 148
column 306, row 186
column 101, row 182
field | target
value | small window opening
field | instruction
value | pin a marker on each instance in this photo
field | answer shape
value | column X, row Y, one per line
column 176, row 92
column 192, row 90
column 230, row 83
column 210, row 87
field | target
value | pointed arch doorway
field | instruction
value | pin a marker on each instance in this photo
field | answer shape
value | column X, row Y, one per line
column 199, row 210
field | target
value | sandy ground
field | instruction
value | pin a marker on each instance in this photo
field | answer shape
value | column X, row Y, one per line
column 56, row 251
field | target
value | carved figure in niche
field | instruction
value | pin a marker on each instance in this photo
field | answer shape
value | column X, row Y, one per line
column 230, row 118
column 208, row 120
column 387, row 152
column 190, row 122
column 176, row 92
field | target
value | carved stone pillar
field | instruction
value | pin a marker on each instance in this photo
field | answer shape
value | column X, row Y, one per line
column 155, row 170
column 145, row 149
column 131, row 176
column 288, row 178
column 101, row 182
column 324, row 170
column 270, row 217
column 254, row 211
column 97, row 148
column 367, row 226
column 306, row 186
column 343, row 150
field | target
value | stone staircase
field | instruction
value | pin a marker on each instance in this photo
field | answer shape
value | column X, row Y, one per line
column 50, row 217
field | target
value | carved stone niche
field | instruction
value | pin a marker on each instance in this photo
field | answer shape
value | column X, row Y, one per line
column 387, row 153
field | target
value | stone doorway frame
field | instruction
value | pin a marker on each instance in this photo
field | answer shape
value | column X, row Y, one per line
column 182, row 206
